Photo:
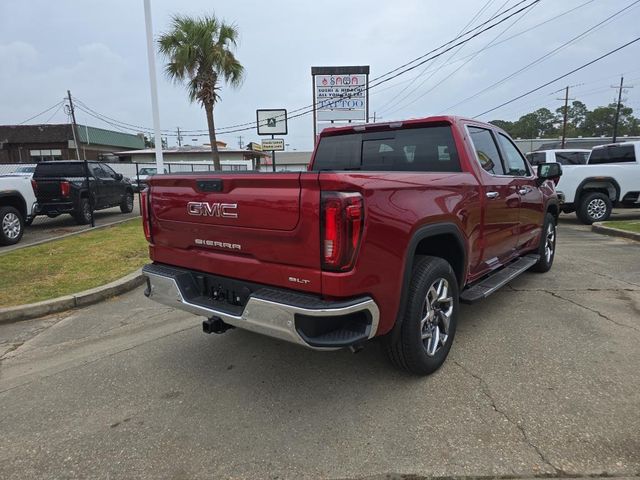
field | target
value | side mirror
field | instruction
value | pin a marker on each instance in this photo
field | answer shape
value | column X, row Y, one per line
column 118, row 176
column 549, row 171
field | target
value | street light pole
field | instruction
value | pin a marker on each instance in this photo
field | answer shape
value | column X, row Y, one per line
column 153, row 84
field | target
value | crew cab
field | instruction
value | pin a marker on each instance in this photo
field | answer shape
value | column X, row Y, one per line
column 17, row 207
column 611, row 178
column 392, row 225
column 61, row 187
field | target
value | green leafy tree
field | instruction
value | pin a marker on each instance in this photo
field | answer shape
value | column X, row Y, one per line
column 199, row 52
column 600, row 121
column 504, row 125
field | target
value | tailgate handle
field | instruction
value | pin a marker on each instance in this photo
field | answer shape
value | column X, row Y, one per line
column 209, row 185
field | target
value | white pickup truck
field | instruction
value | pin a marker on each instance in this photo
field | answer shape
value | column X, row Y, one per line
column 611, row 177
column 17, row 207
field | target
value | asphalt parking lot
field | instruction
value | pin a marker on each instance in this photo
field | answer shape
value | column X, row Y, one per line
column 543, row 379
column 45, row 228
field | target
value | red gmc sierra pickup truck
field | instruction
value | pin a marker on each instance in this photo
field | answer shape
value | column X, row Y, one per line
column 391, row 227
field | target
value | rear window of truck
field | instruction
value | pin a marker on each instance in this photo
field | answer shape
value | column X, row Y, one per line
column 59, row 170
column 612, row 154
column 426, row 149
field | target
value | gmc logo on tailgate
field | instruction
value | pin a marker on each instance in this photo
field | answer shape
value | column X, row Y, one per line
column 205, row 209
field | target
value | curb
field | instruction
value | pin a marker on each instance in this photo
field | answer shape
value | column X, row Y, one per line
column 68, row 302
column 614, row 232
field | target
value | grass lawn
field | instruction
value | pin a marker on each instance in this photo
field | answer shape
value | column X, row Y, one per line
column 71, row 265
column 628, row 225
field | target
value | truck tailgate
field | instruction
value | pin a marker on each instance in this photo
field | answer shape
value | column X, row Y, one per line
column 235, row 224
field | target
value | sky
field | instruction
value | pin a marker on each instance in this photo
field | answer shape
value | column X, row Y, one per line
column 97, row 49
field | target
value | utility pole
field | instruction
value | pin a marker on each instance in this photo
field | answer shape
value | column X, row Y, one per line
column 179, row 137
column 615, row 122
column 73, row 125
column 564, row 115
column 74, row 128
column 240, row 144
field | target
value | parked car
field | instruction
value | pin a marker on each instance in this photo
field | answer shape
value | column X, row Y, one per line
column 17, row 207
column 61, row 187
column 393, row 225
column 140, row 183
column 611, row 178
column 23, row 171
column 567, row 156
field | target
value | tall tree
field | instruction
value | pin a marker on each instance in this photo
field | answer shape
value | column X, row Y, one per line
column 199, row 52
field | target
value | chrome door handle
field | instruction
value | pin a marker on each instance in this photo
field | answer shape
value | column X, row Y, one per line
column 523, row 191
column 492, row 195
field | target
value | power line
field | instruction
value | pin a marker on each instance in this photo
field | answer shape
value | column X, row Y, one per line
column 402, row 72
column 469, row 59
column 54, row 113
column 611, row 52
column 43, row 112
column 402, row 69
column 434, row 71
column 543, row 57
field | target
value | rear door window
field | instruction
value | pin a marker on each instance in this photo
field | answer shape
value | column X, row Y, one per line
column 427, row 149
column 486, row 150
column 536, row 158
column 612, row 154
column 571, row 158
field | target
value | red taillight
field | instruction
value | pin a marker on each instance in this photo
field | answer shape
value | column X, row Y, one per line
column 34, row 185
column 65, row 189
column 342, row 222
column 144, row 210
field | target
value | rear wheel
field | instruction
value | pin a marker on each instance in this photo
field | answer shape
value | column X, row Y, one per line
column 429, row 322
column 11, row 226
column 126, row 206
column 82, row 214
column 594, row 207
column 547, row 248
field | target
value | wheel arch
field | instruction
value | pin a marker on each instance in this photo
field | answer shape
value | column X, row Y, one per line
column 13, row 198
column 444, row 240
column 606, row 185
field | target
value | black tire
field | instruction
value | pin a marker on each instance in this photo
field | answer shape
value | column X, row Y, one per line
column 547, row 248
column 11, row 226
column 406, row 348
column 82, row 214
column 126, row 205
column 594, row 207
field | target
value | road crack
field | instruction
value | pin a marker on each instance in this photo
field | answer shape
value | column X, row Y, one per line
column 573, row 302
column 484, row 387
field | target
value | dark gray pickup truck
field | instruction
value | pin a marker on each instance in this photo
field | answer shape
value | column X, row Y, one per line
column 61, row 187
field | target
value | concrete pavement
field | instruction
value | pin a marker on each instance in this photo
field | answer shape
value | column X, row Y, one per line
column 543, row 379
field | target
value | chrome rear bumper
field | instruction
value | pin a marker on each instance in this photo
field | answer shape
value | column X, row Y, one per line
column 276, row 313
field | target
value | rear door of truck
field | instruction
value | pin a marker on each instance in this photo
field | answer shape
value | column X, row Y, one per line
column 262, row 227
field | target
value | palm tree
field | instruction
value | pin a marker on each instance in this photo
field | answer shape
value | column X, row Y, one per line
column 199, row 52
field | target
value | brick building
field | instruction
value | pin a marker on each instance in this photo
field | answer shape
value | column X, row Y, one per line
column 34, row 143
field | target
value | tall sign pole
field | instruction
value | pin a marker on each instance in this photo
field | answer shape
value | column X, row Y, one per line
column 153, row 84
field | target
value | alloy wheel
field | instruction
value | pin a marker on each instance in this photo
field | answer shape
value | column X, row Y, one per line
column 550, row 243
column 597, row 208
column 436, row 316
column 11, row 226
